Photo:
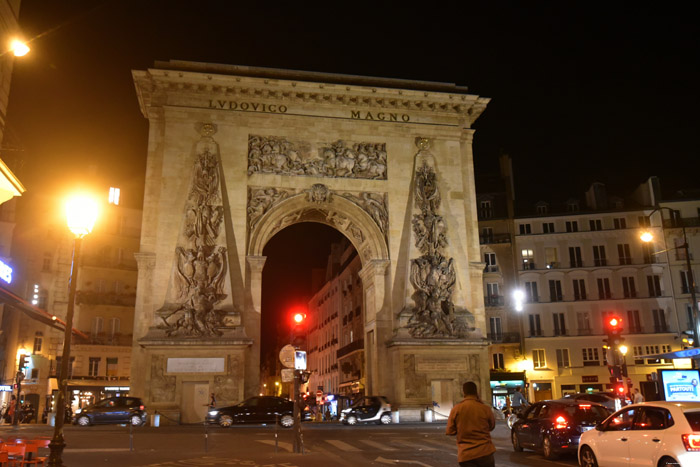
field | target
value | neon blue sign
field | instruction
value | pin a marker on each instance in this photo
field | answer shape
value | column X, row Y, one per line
column 5, row 272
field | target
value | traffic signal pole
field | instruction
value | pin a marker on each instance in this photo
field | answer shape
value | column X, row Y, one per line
column 298, row 439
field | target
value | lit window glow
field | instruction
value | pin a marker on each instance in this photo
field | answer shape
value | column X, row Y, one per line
column 114, row 196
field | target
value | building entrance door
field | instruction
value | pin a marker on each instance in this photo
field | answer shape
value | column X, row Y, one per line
column 442, row 397
column 195, row 396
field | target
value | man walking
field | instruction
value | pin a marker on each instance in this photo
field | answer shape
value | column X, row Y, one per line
column 519, row 401
column 638, row 397
column 472, row 421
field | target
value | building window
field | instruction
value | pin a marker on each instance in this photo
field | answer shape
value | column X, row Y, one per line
column 493, row 297
column 644, row 221
column 563, row 358
column 525, row 229
column 38, row 343
column 620, row 223
column 114, row 325
column 680, row 249
column 487, row 235
column 114, row 195
column 659, row 317
column 579, row 289
column 548, row 227
column 633, row 323
column 70, row 367
column 623, row 252
column 94, row 368
column 628, row 288
column 112, row 366
column 572, row 226
column 541, row 208
column 35, row 373
column 498, row 361
column 531, row 292
column 575, row 258
column 555, row 294
column 46, row 264
column 654, row 284
column 572, row 205
column 638, row 352
column 490, row 260
column 596, row 224
column 551, row 257
column 528, row 258
column 485, row 209
column 495, row 327
column 538, row 360
column 648, row 253
column 583, row 319
column 604, row 288
column 591, row 356
column 97, row 325
column 535, row 327
column 689, row 313
column 599, row 258
column 685, row 281
column 559, row 324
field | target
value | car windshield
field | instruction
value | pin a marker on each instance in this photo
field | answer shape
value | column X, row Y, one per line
column 586, row 412
column 693, row 419
column 363, row 401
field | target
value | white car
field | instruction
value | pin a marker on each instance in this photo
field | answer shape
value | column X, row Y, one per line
column 648, row 434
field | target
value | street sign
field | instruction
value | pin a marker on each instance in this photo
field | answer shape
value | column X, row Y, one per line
column 287, row 375
column 287, row 355
column 300, row 360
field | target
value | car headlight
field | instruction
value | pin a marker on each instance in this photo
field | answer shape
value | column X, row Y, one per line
column 78, row 411
column 213, row 412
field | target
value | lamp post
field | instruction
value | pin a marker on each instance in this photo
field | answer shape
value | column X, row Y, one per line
column 647, row 237
column 81, row 213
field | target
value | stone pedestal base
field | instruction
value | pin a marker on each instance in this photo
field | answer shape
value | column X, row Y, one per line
column 430, row 374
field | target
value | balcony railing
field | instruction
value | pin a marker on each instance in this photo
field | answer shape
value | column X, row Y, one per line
column 107, row 262
column 682, row 222
column 104, row 338
column 351, row 347
column 494, row 238
column 88, row 297
column 504, row 337
column 491, row 268
column 659, row 328
column 494, row 300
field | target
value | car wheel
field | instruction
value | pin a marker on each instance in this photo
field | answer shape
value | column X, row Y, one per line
column 352, row 420
column 83, row 421
column 667, row 461
column 385, row 419
column 136, row 420
column 287, row 421
column 516, row 442
column 547, row 449
column 587, row 457
column 225, row 421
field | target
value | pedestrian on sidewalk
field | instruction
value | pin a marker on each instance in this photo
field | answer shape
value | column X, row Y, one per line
column 472, row 421
column 638, row 397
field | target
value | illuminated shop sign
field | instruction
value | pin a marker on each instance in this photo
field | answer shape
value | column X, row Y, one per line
column 5, row 272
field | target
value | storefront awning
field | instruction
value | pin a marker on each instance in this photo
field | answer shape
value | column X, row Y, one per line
column 687, row 353
column 35, row 313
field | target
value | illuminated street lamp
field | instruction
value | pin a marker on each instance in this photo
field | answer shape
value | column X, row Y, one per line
column 647, row 237
column 81, row 213
column 19, row 48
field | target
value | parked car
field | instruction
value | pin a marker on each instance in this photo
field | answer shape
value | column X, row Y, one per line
column 607, row 398
column 259, row 409
column 649, row 434
column 115, row 410
column 368, row 409
column 553, row 427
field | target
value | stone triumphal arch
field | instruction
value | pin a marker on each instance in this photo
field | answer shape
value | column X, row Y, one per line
column 238, row 154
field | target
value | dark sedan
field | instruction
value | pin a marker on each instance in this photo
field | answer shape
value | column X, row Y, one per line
column 115, row 410
column 262, row 409
column 553, row 427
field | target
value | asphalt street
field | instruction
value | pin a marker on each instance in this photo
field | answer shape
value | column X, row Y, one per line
column 326, row 444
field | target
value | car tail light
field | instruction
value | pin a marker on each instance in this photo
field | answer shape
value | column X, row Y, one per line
column 584, row 406
column 691, row 442
column 560, row 423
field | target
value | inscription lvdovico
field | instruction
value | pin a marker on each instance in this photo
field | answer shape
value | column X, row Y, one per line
column 247, row 106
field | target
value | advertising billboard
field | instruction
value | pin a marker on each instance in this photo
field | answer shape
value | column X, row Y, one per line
column 680, row 385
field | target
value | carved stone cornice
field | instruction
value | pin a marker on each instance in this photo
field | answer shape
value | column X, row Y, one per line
column 457, row 103
column 375, row 267
column 256, row 263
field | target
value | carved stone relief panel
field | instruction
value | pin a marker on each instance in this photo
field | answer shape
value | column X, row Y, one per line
column 226, row 386
column 432, row 275
column 416, row 385
column 201, row 261
column 279, row 155
column 162, row 386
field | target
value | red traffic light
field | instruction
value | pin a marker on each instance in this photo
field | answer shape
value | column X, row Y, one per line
column 299, row 317
column 615, row 322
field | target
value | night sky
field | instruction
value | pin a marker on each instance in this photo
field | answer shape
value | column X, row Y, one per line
column 580, row 92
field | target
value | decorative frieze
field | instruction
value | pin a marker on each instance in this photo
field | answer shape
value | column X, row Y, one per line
column 278, row 155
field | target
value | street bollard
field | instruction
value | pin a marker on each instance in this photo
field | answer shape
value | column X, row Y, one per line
column 276, row 423
column 131, row 436
column 206, row 437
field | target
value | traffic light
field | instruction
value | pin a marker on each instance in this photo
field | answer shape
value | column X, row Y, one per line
column 613, row 329
column 298, row 327
column 22, row 362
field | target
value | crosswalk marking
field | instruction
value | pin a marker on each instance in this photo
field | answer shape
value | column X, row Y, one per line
column 419, row 447
column 374, row 444
column 342, row 445
column 286, row 446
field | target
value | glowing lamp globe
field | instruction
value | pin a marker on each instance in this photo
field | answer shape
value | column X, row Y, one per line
column 19, row 48
column 647, row 237
column 81, row 214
